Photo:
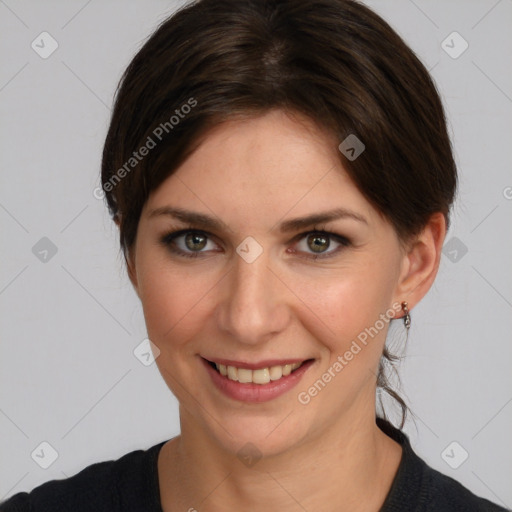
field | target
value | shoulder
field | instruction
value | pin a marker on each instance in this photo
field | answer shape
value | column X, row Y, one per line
column 419, row 488
column 121, row 484
column 445, row 493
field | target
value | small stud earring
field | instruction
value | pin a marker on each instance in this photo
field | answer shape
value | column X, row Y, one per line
column 407, row 316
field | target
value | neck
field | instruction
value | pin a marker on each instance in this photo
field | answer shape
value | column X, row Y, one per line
column 348, row 466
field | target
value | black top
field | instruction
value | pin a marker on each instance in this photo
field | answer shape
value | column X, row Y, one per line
column 130, row 484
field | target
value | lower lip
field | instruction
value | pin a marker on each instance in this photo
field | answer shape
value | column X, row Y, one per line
column 256, row 393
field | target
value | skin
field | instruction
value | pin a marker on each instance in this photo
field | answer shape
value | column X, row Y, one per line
column 254, row 174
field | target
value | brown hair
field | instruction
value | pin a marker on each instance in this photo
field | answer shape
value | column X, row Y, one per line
column 335, row 61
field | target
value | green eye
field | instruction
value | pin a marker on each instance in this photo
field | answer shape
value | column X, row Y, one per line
column 318, row 243
column 195, row 241
column 314, row 244
column 188, row 243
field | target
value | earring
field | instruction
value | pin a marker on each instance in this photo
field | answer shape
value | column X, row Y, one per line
column 407, row 316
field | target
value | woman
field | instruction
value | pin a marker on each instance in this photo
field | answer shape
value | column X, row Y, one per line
column 281, row 176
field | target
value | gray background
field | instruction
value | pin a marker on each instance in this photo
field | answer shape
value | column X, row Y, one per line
column 69, row 325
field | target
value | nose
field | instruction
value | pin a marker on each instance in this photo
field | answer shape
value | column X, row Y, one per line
column 252, row 308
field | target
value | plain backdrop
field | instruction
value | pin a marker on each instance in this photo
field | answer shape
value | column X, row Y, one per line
column 70, row 321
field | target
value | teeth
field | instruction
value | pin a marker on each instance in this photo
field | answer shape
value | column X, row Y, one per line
column 287, row 369
column 276, row 372
column 244, row 375
column 260, row 376
column 232, row 373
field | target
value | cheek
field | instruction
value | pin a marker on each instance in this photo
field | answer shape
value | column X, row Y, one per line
column 351, row 334
column 333, row 305
column 342, row 311
column 348, row 302
column 175, row 302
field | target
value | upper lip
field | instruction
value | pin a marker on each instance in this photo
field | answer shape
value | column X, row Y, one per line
column 267, row 363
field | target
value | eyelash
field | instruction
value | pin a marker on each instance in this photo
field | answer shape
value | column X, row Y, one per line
column 168, row 239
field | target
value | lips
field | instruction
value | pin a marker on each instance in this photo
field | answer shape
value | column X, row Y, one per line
column 267, row 363
column 259, row 375
column 257, row 383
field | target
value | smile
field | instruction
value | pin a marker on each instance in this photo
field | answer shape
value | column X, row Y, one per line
column 258, row 376
column 262, row 382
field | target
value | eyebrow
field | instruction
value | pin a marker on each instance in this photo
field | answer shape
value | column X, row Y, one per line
column 207, row 222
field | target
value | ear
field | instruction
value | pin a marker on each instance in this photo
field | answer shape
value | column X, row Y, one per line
column 421, row 262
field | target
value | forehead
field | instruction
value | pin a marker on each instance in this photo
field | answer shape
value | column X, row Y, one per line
column 257, row 147
column 263, row 166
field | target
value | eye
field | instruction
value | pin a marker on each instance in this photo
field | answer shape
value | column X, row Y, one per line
column 188, row 243
column 316, row 244
column 192, row 243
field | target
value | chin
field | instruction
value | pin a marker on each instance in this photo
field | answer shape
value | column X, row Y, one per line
column 256, row 439
column 268, row 433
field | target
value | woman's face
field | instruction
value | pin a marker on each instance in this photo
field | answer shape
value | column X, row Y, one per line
column 258, row 290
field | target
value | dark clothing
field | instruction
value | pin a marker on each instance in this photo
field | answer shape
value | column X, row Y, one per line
column 130, row 484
